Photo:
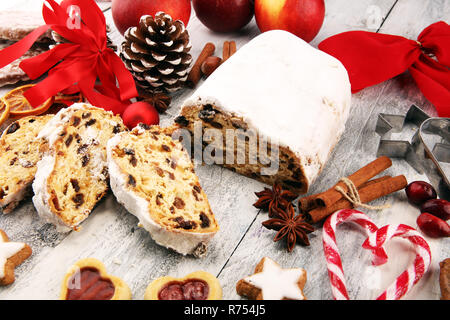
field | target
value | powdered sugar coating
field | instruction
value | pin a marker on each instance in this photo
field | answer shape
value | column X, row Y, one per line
column 292, row 93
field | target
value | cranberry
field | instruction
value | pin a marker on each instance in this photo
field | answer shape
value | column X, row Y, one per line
column 433, row 226
column 420, row 191
column 437, row 207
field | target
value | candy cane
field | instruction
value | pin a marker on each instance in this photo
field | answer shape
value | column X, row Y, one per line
column 415, row 272
column 375, row 242
column 332, row 256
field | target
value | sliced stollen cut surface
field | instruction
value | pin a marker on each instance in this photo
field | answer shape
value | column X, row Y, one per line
column 73, row 174
column 153, row 177
column 286, row 93
column 20, row 150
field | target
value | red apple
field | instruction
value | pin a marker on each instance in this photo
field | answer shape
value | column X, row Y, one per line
column 224, row 15
column 140, row 112
column 302, row 18
column 126, row 13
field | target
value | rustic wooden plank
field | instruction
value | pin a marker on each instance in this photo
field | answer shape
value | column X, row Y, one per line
column 356, row 148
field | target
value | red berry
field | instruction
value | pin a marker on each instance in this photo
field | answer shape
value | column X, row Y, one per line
column 140, row 112
column 433, row 226
column 437, row 207
column 420, row 191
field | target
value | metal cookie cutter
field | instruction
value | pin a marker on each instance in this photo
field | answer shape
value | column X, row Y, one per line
column 434, row 161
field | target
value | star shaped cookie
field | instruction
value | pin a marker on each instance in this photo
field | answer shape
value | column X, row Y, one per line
column 271, row 282
column 11, row 255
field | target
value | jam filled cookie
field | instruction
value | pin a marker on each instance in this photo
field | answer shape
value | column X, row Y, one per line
column 271, row 282
column 87, row 280
column 11, row 255
column 198, row 285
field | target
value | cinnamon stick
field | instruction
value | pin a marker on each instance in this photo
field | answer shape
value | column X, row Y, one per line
column 309, row 203
column 367, row 193
column 232, row 48
column 331, row 196
column 225, row 51
column 196, row 73
column 229, row 48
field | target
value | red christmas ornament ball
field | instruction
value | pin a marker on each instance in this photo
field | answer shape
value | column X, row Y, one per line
column 140, row 112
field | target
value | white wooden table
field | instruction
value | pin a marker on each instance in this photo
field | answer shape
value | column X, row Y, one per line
column 111, row 235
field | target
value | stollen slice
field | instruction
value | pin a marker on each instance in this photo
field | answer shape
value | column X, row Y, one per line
column 153, row 177
column 20, row 151
column 72, row 176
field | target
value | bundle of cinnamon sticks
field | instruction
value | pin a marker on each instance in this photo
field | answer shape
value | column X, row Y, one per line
column 319, row 206
column 207, row 63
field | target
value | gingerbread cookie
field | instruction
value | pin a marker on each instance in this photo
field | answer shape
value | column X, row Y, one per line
column 271, row 282
column 87, row 279
column 11, row 255
column 444, row 279
column 198, row 285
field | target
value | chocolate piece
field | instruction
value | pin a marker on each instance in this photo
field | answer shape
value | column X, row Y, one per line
column 17, row 24
column 192, row 289
column 12, row 73
column 91, row 286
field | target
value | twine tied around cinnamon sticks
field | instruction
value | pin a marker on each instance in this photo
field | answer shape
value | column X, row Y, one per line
column 353, row 196
column 355, row 190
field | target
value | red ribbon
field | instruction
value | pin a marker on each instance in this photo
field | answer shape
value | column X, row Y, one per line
column 371, row 58
column 76, row 65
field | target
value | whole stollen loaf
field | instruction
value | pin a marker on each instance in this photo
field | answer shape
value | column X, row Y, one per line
column 291, row 94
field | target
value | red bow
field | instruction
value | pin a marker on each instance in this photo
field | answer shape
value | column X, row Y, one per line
column 371, row 58
column 78, row 64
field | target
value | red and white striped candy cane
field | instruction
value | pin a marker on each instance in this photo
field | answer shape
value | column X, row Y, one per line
column 415, row 271
column 332, row 256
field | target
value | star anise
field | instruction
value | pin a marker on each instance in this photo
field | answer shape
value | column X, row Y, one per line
column 290, row 226
column 159, row 100
column 270, row 199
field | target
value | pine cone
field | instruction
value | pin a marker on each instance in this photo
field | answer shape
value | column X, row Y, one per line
column 157, row 53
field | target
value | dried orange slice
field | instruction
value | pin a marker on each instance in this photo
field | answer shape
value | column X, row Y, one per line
column 19, row 105
column 69, row 99
column 4, row 112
